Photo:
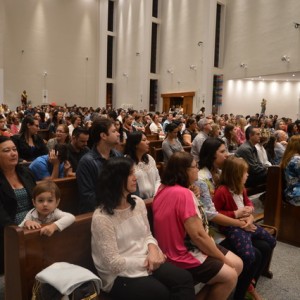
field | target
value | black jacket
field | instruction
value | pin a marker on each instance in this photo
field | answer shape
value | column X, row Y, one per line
column 8, row 203
column 25, row 151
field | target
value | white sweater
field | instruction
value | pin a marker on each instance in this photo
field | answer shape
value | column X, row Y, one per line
column 120, row 243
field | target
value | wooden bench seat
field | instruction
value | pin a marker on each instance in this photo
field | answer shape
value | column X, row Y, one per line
column 27, row 253
column 69, row 201
column 279, row 213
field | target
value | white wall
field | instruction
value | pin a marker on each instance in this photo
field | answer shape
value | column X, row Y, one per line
column 55, row 36
column 185, row 24
column 259, row 33
column 244, row 97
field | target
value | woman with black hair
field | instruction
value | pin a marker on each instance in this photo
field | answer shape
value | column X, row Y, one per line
column 171, row 143
column 137, row 148
column 16, row 184
column 190, row 132
column 125, row 254
column 57, row 119
column 29, row 144
column 213, row 155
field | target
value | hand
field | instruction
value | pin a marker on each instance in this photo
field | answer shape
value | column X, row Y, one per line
column 32, row 225
column 67, row 168
column 250, row 228
column 195, row 189
column 242, row 212
column 49, row 229
column 155, row 258
column 53, row 158
column 248, row 221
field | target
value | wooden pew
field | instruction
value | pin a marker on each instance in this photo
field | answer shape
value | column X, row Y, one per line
column 152, row 136
column 27, row 253
column 277, row 212
column 69, row 201
column 44, row 134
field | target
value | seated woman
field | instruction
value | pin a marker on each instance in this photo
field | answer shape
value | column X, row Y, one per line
column 148, row 180
column 155, row 126
column 16, row 184
column 181, row 229
column 230, row 138
column 213, row 155
column 190, row 132
column 62, row 136
column 291, row 165
column 125, row 254
column 171, row 143
column 29, row 144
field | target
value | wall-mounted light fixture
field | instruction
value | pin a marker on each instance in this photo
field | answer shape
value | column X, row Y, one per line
column 193, row 67
column 297, row 25
column 125, row 75
column 45, row 73
column 243, row 65
column 285, row 58
column 170, row 71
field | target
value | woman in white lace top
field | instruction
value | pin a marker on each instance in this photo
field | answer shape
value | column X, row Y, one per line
column 137, row 147
column 126, row 256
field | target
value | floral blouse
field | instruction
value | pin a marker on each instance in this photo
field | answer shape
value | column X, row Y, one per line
column 292, row 177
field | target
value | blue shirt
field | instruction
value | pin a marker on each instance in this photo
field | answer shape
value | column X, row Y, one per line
column 41, row 168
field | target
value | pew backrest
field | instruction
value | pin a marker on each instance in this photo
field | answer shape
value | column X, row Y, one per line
column 278, row 212
column 27, row 253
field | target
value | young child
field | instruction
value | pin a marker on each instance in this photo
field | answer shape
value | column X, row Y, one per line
column 231, row 200
column 46, row 197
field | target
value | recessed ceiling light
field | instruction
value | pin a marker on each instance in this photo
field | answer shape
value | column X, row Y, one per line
column 293, row 75
column 259, row 77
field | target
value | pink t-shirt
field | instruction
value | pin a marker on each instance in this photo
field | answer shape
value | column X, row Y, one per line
column 172, row 206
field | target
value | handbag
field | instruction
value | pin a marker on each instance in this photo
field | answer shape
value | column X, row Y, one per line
column 62, row 281
column 45, row 291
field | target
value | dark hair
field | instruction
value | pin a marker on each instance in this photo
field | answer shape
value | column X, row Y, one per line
column 78, row 131
column 62, row 152
column 227, row 132
column 270, row 148
column 133, row 139
column 189, row 122
column 74, row 118
column 208, row 151
column 112, row 182
column 27, row 120
column 249, row 131
column 176, row 169
column 46, row 186
column 100, row 125
column 5, row 139
column 121, row 130
column 170, row 127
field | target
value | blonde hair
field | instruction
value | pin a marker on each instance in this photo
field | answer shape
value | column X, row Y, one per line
column 292, row 148
column 232, row 173
column 46, row 186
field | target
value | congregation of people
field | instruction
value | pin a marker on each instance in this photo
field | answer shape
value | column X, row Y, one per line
column 198, row 194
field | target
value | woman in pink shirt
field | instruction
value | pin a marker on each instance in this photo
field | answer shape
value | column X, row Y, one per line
column 181, row 229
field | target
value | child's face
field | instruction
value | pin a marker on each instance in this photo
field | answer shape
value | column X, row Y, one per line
column 245, row 176
column 45, row 203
